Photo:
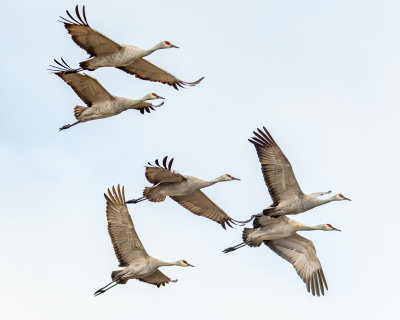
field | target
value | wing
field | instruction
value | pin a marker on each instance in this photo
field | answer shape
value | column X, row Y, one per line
column 87, row 88
column 263, row 220
column 163, row 174
column 157, row 278
column 145, row 70
column 126, row 243
column 198, row 203
column 147, row 106
column 300, row 252
column 90, row 40
column 276, row 168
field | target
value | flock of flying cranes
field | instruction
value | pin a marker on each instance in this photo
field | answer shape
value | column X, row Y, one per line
column 271, row 226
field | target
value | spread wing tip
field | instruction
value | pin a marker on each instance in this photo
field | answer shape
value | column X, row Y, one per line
column 75, row 21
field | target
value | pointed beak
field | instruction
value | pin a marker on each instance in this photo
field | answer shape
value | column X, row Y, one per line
column 333, row 228
column 190, row 265
column 173, row 46
column 159, row 97
column 233, row 178
column 344, row 198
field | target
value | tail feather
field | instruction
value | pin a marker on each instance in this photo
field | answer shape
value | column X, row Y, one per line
column 115, row 276
column 251, row 242
column 246, row 233
column 152, row 196
column 86, row 65
column 78, row 111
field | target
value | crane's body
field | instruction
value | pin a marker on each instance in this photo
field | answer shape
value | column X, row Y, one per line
column 287, row 196
column 140, row 268
column 131, row 254
column 299, row 204
column 120, row 58
column 280, row 235
column 184, row 189
column 106, row 109
column 100, row 103
column 105, row 52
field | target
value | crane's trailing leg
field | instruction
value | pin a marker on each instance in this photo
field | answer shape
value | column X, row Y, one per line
column 67, row 126
column 136, row 200
column 230, row 249
column 247, row 221
column 104, row 289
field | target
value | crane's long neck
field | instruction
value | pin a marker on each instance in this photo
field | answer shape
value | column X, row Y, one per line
column 151, row 50
column 160, row 263
column 125, row 103
column 315, row 202
column 207, row 183
column 311, row 228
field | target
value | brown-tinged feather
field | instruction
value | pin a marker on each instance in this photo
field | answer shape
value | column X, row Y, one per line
column 145, row 70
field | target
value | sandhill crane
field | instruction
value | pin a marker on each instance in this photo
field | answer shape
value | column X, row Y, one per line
column 129, row 249
column 280, row 235
column 104, row 52
column 185, row 190
column 279, row 177
column 100, row 103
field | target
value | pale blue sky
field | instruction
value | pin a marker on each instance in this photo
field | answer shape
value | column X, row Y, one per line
column 322, row 76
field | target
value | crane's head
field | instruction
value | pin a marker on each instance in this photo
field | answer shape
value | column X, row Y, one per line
column 340, row 197
column 328, row 227
column 184, row 263
column 153, row 96
column 166, row 45
column 227, row 177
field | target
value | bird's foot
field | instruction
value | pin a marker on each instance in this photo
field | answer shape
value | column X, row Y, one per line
column 67, row 126
column 136, row 200
column 132, row 201
column 98, row 292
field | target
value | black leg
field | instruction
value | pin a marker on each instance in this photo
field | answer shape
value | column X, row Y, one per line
column 104, row 289
column 136, row 200
column 67, row 126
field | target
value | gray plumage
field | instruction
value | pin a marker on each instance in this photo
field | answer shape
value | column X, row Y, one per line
column 185, row 190
column 280, row 235
column 131, row 254
column 286, row 194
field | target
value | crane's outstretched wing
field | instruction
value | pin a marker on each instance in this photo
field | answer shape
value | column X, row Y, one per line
column 90, row 40
column 163, row 174
column 198, row 203
column 147, row 106
column 276, row 168
column 126, row 243
column 264, row 220
column 145, row 70
column 87, row 88
column 157, row 278
column 300, row 252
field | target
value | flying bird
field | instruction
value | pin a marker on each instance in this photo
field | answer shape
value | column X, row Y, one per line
column 105, row 52
column 185, row 190
column 287, row 196
column 100, row 103
column 280, row 235
column 129, row 249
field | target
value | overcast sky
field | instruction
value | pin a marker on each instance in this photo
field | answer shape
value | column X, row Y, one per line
column 322, row 76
